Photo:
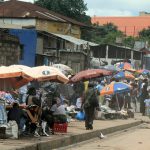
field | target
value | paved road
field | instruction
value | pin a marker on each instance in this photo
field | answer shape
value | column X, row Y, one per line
column 133, row 139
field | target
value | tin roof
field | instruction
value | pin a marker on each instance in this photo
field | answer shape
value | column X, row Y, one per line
column 19, row 9
column 131, row 26
column 75, row 40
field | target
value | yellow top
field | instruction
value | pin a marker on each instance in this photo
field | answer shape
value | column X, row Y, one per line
column 86, row 86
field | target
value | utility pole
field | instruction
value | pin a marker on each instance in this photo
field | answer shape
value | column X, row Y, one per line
column 88, row 55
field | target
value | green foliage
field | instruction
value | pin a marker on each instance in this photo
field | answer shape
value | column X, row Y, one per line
column 72, row 8
column 129, row 41
column 144, row 35
column 106, row 34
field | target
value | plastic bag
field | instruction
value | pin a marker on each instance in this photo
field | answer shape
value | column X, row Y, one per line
column 80, row 115
column 12, row 129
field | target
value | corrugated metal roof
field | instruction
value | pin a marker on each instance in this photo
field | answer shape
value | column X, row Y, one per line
column 19, row 9
column 75, row 40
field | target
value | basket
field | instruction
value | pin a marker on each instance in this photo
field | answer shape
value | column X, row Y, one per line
column 60, row 127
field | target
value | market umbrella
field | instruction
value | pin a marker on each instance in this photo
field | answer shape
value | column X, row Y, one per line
column 90, row 73
column 126, row 66
column 24, row 78
column 143, row 71
column 124, row 74
column 12, row 77
column 63, row 68
column 115, row 88
column 46, row 73
column 112, row 68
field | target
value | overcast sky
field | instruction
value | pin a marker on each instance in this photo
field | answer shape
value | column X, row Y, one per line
column 115, row 7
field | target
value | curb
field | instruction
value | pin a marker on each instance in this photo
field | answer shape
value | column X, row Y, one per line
column 73, row 139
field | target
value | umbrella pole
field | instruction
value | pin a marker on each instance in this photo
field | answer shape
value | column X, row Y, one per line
column 117, row 101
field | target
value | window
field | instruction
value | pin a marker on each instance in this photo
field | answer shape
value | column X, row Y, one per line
column 21, row 52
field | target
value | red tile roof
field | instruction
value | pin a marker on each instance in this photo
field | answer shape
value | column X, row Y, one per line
column 129, row 25
column 19, row 9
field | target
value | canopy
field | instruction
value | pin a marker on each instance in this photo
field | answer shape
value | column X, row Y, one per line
column 46, row 73
column 111, row 68
column 122, row 75
column 63, row 68
column 125, row 66
column 12, row 77
column 90, row 73
column 143, row 71
column 114, row 88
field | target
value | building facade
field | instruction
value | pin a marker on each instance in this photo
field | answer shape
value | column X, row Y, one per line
column 9, row 49
column 111, row 54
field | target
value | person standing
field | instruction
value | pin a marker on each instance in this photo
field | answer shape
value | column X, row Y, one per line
column 90, row 103
column 144, row 95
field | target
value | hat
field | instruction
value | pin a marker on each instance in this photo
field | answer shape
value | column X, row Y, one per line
column 136, row 78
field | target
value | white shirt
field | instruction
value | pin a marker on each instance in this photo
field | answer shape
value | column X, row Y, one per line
column 78, row 103
column 60, row 110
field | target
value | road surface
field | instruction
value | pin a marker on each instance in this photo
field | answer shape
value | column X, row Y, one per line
column 133, row 139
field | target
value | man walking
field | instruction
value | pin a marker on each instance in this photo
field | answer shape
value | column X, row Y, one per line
column 90, row 103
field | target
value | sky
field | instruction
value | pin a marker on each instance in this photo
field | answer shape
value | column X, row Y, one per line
column 115, row 7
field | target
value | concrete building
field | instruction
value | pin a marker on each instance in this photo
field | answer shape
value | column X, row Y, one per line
column 111, row 54
column 43, row 48
column 47, row 37
column 9, row 49
column 30, row 15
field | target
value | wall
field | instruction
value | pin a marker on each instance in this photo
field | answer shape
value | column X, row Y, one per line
column 20, row 22
column 28, row 38
column 45, row 25
column 39, row 47
column 73, row 59
column 9, row 52
column 59, row 28
column 147, row 62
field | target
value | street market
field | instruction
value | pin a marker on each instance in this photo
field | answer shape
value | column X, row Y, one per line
column 73, row 72
column 43, row 107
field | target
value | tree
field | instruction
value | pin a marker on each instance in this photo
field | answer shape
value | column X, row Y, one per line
column 129, row 41
column 71, row 8
column 106, row 34
column 144, row 35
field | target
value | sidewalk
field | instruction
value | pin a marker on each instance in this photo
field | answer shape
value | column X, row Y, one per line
column 76, row 133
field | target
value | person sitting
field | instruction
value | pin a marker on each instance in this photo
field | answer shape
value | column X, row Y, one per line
column 33, row 111
column 59, row 111
column 31, row 93
column 18, row 115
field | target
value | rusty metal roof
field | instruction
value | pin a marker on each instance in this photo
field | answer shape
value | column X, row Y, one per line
column 19, row 9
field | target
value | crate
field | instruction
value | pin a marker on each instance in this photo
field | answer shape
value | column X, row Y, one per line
column 60, row 127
